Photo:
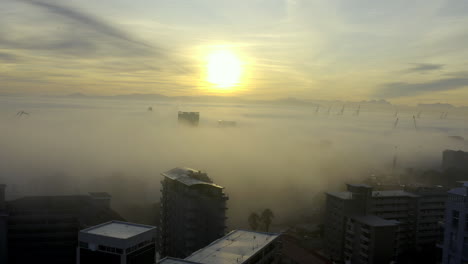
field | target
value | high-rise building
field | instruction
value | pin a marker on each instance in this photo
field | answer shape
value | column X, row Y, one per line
column 455, row 242
column 237, row 247
column 189, row 118
column 452, row 159
column 193, row 212
column 44, row 229
column 117, row 242
column 416, row 213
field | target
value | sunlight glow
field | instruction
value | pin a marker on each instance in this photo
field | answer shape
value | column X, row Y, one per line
column 224, row 69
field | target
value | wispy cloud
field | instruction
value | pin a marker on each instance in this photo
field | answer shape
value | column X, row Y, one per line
column 402, row 89
column 425, row 67
column 84, row 20
column 8, row 57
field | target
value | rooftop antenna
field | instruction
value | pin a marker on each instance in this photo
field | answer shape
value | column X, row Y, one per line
column 396, row 123
column 342, row 110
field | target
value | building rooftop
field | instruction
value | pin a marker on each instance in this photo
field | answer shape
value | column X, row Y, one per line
column 374, row 220
column 118, row 229
column 169, row 260
column 459, row 191
column 236, row 247
column 393, row 193
column 189, row 177
column 341, row 195
column 359, row 185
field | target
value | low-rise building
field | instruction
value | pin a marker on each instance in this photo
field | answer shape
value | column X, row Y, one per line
column 117, row 242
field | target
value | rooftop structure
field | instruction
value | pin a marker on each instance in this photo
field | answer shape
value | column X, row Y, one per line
column 189, row 177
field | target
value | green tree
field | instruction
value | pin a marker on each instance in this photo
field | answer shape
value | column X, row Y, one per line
column 267, row 218
column 254, row 221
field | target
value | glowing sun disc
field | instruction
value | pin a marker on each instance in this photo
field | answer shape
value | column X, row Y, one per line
column 224, row 68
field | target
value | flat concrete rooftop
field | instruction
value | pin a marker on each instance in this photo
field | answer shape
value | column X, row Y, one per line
column 118, row 229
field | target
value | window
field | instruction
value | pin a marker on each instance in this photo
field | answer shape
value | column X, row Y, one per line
column 455, row 218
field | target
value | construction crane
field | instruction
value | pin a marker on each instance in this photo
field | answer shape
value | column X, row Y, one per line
column 21, row 113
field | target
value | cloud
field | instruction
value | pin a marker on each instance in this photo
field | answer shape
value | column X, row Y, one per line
column 72, row 32
column 84, row 19
column 425, row 67
column 402, row 89
column 8, row 57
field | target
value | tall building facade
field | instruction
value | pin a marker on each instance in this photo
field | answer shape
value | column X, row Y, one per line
column 117, row 242
column 193, row 212
column 415, row 214
column 455, row 242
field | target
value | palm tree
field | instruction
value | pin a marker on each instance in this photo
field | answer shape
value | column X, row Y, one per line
column 267, row 218
column 253, row 221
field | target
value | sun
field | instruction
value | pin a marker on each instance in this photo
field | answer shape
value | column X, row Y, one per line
column 224, row 69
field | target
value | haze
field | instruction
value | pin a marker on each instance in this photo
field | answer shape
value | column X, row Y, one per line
column 279, row 156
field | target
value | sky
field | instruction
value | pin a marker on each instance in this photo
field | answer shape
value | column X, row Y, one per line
column 407, row 52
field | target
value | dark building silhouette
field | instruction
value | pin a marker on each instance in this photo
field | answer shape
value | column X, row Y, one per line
column 189, row 118
column 44, row 229
column 455, row 160
column 117, row 242
column 357, row 219
column 193, row 212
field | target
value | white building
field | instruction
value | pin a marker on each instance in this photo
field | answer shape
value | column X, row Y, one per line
column 455, row 244
column 237, row 247
column 117, row 242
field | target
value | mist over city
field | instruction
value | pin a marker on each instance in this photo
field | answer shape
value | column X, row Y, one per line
column 233, row 132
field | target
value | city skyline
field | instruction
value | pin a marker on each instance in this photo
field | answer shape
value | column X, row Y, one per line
column 403, row 52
